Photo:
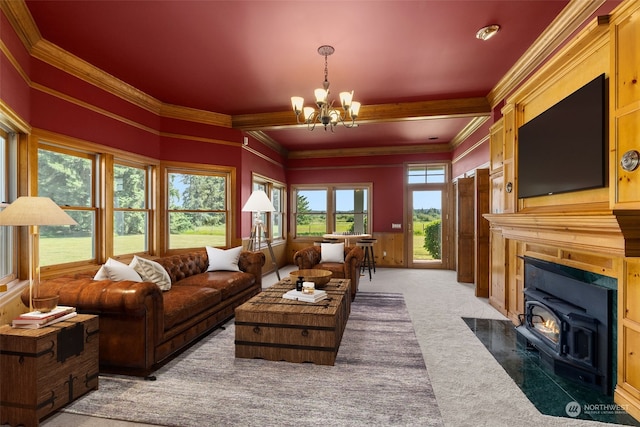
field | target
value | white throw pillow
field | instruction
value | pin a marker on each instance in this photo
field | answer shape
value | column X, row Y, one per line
column 332, row 252
column 116, row 271
column 225, row 260
column 151, row 271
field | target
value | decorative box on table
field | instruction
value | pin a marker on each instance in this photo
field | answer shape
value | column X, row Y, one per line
column 44, row 369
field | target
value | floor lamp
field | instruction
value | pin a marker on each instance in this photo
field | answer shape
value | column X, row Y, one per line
column 258, row 203
column 34, row 212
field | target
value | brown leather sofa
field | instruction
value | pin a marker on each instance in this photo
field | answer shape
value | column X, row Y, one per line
column 141, row 326
column 311, row 256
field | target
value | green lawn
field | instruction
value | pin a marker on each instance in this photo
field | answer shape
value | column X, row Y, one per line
column 60, row 250
column 318, row 228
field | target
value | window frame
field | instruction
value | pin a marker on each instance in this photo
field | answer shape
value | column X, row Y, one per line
column 102, row 186
column 427, row 167
column 260, row 182
column 93, row 207
column 228, row 173
column 9, row 170
column 330, row 220
column 147, row 209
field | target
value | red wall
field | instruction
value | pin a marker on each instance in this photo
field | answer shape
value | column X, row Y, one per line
column 14, row 90
column 61, row 103
column 386, row 173
column 467, row 162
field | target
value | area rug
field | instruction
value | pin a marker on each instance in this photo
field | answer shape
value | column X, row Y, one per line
column 379, row 379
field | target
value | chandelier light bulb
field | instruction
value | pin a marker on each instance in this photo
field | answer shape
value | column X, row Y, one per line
column 321, row 96
column 297, row 102
column 355, row 109
column 308, row 113
column 345, row 99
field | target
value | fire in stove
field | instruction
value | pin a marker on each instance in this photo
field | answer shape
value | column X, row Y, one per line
column 549, row 328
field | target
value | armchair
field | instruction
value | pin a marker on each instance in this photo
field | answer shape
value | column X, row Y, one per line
column 311, row 257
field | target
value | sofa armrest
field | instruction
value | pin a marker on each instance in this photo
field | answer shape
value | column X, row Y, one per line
column 354, row 255
column 352, row 261
column 308, row 257
column 252, row 262
column 102, row 296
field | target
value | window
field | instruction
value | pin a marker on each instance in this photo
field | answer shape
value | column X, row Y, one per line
column 68, row 177
column 277, row 216
column 198, row 209
column 351, row 210
column 130, row 209
column 274, row 220
column 426, row 174
column 310, row 216
column 340, row 208
column 8, row 179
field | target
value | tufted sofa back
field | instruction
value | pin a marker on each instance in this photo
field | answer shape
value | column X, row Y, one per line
column 184, row 265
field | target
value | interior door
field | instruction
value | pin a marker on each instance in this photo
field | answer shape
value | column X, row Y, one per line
column 424, row 237
column 466, row 230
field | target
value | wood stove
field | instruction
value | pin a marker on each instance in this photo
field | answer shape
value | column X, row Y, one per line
column 568, row 320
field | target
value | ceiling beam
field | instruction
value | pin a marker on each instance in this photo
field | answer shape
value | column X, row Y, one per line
column 401, row 111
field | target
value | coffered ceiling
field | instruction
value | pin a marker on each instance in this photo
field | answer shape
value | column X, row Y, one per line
column 422, row 76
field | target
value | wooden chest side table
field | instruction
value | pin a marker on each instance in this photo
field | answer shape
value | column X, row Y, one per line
column 44, row 369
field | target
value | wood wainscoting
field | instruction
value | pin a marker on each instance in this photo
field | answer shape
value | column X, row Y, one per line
column 388, row 251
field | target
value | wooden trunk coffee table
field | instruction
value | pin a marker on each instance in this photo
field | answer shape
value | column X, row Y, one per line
column 274, row 328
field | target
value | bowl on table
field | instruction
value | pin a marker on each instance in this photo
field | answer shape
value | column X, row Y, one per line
column 319, row 277
column 45, row 304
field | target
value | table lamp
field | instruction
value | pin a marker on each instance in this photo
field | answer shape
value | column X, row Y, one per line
column 34, row 212
column 258, row 203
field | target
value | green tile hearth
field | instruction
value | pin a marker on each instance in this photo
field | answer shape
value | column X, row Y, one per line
column 551, row 394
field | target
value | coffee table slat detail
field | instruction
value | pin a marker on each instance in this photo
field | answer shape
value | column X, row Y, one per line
column 273, row 328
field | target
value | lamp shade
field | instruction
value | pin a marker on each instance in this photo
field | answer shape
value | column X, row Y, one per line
column 34, row 211
column 258, row 202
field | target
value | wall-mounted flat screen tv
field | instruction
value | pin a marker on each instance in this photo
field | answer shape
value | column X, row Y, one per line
column 564, row 148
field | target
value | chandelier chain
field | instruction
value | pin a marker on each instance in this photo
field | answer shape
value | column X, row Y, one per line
column 326, row 69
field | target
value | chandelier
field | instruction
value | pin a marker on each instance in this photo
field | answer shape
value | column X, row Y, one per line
column 325, row 113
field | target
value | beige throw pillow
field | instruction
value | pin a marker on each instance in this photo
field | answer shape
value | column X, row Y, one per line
column 151, row 271
column 116, row 271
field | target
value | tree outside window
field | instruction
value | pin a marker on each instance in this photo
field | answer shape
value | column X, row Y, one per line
column 311, row 212
column 130, row 209
column 198, row 211
column 67, row 178
column 342, row 208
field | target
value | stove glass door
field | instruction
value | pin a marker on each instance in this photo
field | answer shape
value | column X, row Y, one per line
column 544, row 322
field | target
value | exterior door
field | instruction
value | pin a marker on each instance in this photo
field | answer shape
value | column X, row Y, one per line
column 425, row 219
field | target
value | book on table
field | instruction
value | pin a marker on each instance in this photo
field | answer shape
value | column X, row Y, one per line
column 317, row 295
column 37, row 319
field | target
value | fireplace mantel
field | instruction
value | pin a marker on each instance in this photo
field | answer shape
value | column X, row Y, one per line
column 586, row 228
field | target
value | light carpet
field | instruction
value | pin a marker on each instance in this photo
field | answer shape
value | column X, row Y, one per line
column 379, row 379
